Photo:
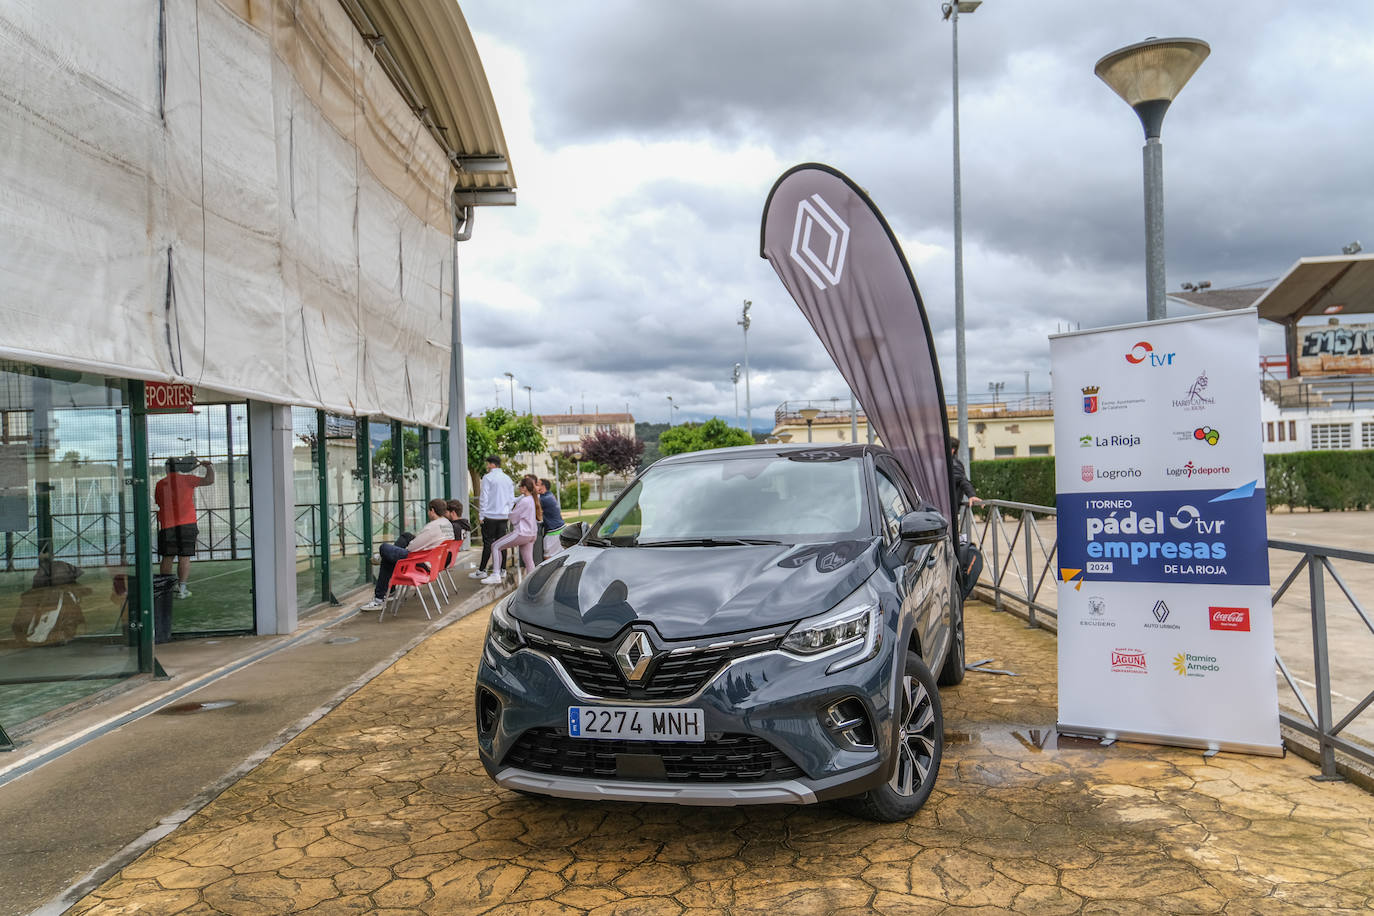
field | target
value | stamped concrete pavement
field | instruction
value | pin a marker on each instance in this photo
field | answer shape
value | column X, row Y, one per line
column 382, row 806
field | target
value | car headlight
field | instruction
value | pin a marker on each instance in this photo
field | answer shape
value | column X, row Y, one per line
column 851, row 629
column 503, row 632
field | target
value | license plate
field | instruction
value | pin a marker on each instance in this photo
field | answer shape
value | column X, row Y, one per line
column 636, row 723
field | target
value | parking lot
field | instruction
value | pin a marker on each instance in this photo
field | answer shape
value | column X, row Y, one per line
column 382, row 804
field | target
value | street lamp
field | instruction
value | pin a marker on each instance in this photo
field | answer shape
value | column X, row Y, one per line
column 670, row 410
column 1148, row 76
column 952, row 11
column 529, row 396
column 734, row 377
column 996, row 389
column 748, row 410
column 512, row 391
column 809, row 414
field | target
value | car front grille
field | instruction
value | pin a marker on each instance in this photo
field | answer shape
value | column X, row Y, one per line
column 676, row 672
column 729, row 758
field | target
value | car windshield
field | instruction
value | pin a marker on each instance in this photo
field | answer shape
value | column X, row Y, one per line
column 764, row 499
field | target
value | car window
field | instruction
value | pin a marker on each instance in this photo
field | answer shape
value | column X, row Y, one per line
column 769, row 496
column 892, row 504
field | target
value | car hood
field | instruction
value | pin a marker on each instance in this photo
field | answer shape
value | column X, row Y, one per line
column 691, row 592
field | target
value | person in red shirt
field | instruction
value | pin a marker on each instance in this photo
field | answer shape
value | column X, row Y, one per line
column 176, row 516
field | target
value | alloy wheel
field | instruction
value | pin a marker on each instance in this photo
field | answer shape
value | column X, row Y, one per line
column 916, row 738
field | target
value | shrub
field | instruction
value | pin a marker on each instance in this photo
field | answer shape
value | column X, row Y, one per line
column 1019, row 480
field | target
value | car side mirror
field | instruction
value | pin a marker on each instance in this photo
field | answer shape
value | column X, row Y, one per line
column 570, row 535
column 923, row 527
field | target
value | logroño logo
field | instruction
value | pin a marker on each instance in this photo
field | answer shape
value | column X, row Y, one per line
column 1235, row 619
column 1087, row 473
column 1191, row 470
column 828, row 267
column 1143, row 351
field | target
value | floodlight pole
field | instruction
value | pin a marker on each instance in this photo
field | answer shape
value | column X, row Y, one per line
column 951, row 11
column 748, row 407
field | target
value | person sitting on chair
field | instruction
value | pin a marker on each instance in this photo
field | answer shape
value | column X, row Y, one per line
column 435, row 532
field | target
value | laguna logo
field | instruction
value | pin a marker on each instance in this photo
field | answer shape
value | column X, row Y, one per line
column 1130, row 661
column 819, row 226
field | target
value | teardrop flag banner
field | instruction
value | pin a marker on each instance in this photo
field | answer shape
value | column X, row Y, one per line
column 842, row 265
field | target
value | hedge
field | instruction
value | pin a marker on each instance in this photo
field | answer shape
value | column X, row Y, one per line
column 1323, row 480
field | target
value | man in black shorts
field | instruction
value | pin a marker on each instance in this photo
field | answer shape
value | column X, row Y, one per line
column 176, row 516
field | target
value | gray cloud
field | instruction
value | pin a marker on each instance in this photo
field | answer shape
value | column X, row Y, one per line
column 1264, row 163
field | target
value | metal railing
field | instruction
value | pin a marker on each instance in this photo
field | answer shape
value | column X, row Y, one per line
column 1019, row 561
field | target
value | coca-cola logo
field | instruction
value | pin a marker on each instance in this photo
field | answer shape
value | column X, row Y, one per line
column 1229, row 618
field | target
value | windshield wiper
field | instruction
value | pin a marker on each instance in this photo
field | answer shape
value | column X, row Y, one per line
column 598, row 542
column 708, row 542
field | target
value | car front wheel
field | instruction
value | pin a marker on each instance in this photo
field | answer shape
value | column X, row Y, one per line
column 919, row 747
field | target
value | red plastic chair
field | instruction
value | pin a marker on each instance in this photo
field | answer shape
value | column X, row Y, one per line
column 413, row 571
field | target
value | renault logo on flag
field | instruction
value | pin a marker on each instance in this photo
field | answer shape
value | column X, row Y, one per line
column 819, row 227
column 634, row 655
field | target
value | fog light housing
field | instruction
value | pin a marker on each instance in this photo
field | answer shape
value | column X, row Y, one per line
column 488, row 711
column 849, row 719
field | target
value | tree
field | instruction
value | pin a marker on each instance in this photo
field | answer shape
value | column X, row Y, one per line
column 383, row 460
column 695, row 437
column 615, row 451
column 500, row 432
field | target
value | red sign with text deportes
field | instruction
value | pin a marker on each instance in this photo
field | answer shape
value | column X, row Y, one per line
column 169, row 397
column 1229, row 618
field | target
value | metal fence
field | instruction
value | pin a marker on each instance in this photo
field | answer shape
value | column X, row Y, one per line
column 1019, row 576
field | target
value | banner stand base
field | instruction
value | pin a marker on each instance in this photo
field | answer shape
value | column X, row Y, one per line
column 1110, row 736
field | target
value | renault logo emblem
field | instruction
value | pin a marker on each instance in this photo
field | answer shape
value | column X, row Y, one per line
column 634, row 655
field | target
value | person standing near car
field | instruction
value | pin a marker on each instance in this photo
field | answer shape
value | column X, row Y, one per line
column 493, row 505
column 547, row 544
column 176, row 516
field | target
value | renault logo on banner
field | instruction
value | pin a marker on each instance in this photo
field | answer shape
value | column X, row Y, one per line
column 634, row 655
column 805, row 240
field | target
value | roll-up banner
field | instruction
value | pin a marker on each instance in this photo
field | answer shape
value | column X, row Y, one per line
column 842, row 265
column 1165, row 628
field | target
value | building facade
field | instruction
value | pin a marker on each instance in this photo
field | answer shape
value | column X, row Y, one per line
column 228, row 264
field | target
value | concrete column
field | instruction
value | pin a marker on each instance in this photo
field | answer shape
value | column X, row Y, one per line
column 274, row 505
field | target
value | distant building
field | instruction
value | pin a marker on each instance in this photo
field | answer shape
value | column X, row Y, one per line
column 564, row 432
column 1010, row 427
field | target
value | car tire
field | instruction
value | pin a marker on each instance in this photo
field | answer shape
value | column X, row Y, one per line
column 952, row 671
column 919, row 747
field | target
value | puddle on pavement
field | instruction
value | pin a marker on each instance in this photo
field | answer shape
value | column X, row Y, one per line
column 1034, row 739
column 183, row 709
column 340, row 640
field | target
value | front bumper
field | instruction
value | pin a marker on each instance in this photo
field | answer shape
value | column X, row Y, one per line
column 773, row 696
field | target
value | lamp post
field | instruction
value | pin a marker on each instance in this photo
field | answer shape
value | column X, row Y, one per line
column 748, row 410
column 734, row 377
column 809, row 414
column 952, row 11
column 996, row 389
column 529, row 396
column 1148, row 76
column 512, row 391
column 670, row 411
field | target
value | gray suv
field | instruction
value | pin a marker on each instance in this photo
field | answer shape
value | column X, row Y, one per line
column 742, row 626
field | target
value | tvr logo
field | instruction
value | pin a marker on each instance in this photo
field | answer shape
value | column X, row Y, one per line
column 1143, row 351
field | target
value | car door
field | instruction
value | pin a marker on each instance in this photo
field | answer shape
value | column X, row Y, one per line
column 924, row 573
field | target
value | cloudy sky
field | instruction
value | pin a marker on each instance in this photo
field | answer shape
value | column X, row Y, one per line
column 645, row 136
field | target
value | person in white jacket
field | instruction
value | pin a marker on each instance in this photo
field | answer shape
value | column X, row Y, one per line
column 493, row 506
column 523, row 528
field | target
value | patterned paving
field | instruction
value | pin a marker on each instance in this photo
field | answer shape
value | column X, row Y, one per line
column 383, row 807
